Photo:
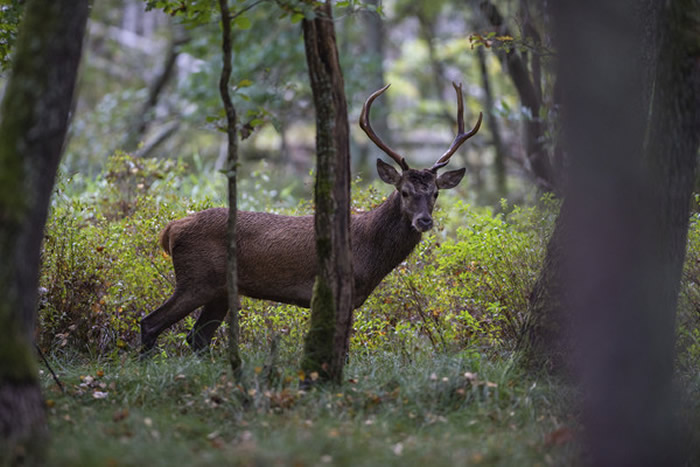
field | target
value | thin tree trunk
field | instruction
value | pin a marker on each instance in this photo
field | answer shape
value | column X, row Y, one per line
column 327, row 341
column 493, row 124
column 374, row 48
column 145, row 114
column 33, row 124
column 231, row 173
column 530, row 97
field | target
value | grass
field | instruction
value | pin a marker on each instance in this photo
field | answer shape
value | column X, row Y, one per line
column 458, row 409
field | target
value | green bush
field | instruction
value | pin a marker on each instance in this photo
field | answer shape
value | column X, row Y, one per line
column 465, row 285
column 101, row 265
column 469, row 289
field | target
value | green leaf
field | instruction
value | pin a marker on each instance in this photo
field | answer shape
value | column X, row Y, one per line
column 296, row 17
column 244, row 83
column 242, row 22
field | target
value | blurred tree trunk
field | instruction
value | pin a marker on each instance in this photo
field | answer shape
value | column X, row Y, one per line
column 326, row 344
column 33, row 125
column 492, row 121
column 142, row 120
column 374, row 39
column 632, row 133
column 231, row 172
column 527, row 84
column 543, row 340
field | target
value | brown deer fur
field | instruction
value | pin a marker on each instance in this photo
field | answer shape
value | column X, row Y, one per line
column 277, row 254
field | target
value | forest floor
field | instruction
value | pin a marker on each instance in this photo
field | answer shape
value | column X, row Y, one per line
column 435, row 409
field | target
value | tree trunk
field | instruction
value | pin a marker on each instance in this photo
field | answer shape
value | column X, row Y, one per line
column 231, row 172
column 145, row 116
column 374, row 48
column 542, row 338
column 494, row 126
column 528, row 90
column 327, row 342
column 34, row 120
column 615, row 258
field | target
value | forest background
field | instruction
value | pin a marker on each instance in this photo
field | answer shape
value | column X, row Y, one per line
column 434, row 370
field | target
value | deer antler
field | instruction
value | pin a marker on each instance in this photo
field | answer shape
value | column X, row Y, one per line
column 365, row 125
column 461, row 135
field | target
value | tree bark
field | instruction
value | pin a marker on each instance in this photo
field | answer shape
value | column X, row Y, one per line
column 33, row 125
column 231, row 174
column 619, row 245
column 327, row 341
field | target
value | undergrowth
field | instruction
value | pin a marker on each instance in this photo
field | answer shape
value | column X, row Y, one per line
column 430, row 379
column 466, row 284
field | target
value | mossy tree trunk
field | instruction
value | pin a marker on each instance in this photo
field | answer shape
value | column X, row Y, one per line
column 33, row 124
column 231, row 174
column 327, row 341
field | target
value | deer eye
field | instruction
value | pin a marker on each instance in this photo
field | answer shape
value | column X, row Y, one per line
column 435, row 195
column 404, row 193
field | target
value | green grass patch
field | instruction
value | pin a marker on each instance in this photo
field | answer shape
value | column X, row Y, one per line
column 439, row 409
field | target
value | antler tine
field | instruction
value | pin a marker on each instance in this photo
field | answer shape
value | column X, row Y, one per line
column 461, row 135
column 365, row 125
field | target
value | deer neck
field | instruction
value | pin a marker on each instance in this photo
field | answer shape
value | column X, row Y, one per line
column 388, row 234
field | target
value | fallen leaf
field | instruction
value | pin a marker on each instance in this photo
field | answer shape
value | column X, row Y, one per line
column 120, row 415
column 559, row 436
column 100, row 395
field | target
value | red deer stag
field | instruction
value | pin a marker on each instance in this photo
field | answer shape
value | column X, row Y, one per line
column 277, row 254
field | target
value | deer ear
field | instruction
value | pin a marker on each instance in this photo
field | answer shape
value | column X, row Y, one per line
column 450, row 179
column 387, row 173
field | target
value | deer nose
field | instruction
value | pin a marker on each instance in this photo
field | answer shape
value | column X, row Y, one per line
column 424, row 223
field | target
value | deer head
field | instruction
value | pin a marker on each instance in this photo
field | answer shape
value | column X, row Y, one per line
column 419, row 188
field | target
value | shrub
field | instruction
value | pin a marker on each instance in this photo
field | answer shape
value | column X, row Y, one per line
column 469, row 289
column 465, row 285
column 101, row 266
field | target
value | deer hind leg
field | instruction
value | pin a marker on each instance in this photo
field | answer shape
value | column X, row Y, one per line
column 208, row 322
column 182, row 303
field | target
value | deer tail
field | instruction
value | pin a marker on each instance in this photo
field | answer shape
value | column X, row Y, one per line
column 164, row 238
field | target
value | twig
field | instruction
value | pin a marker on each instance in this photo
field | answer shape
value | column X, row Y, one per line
column 46, row 362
